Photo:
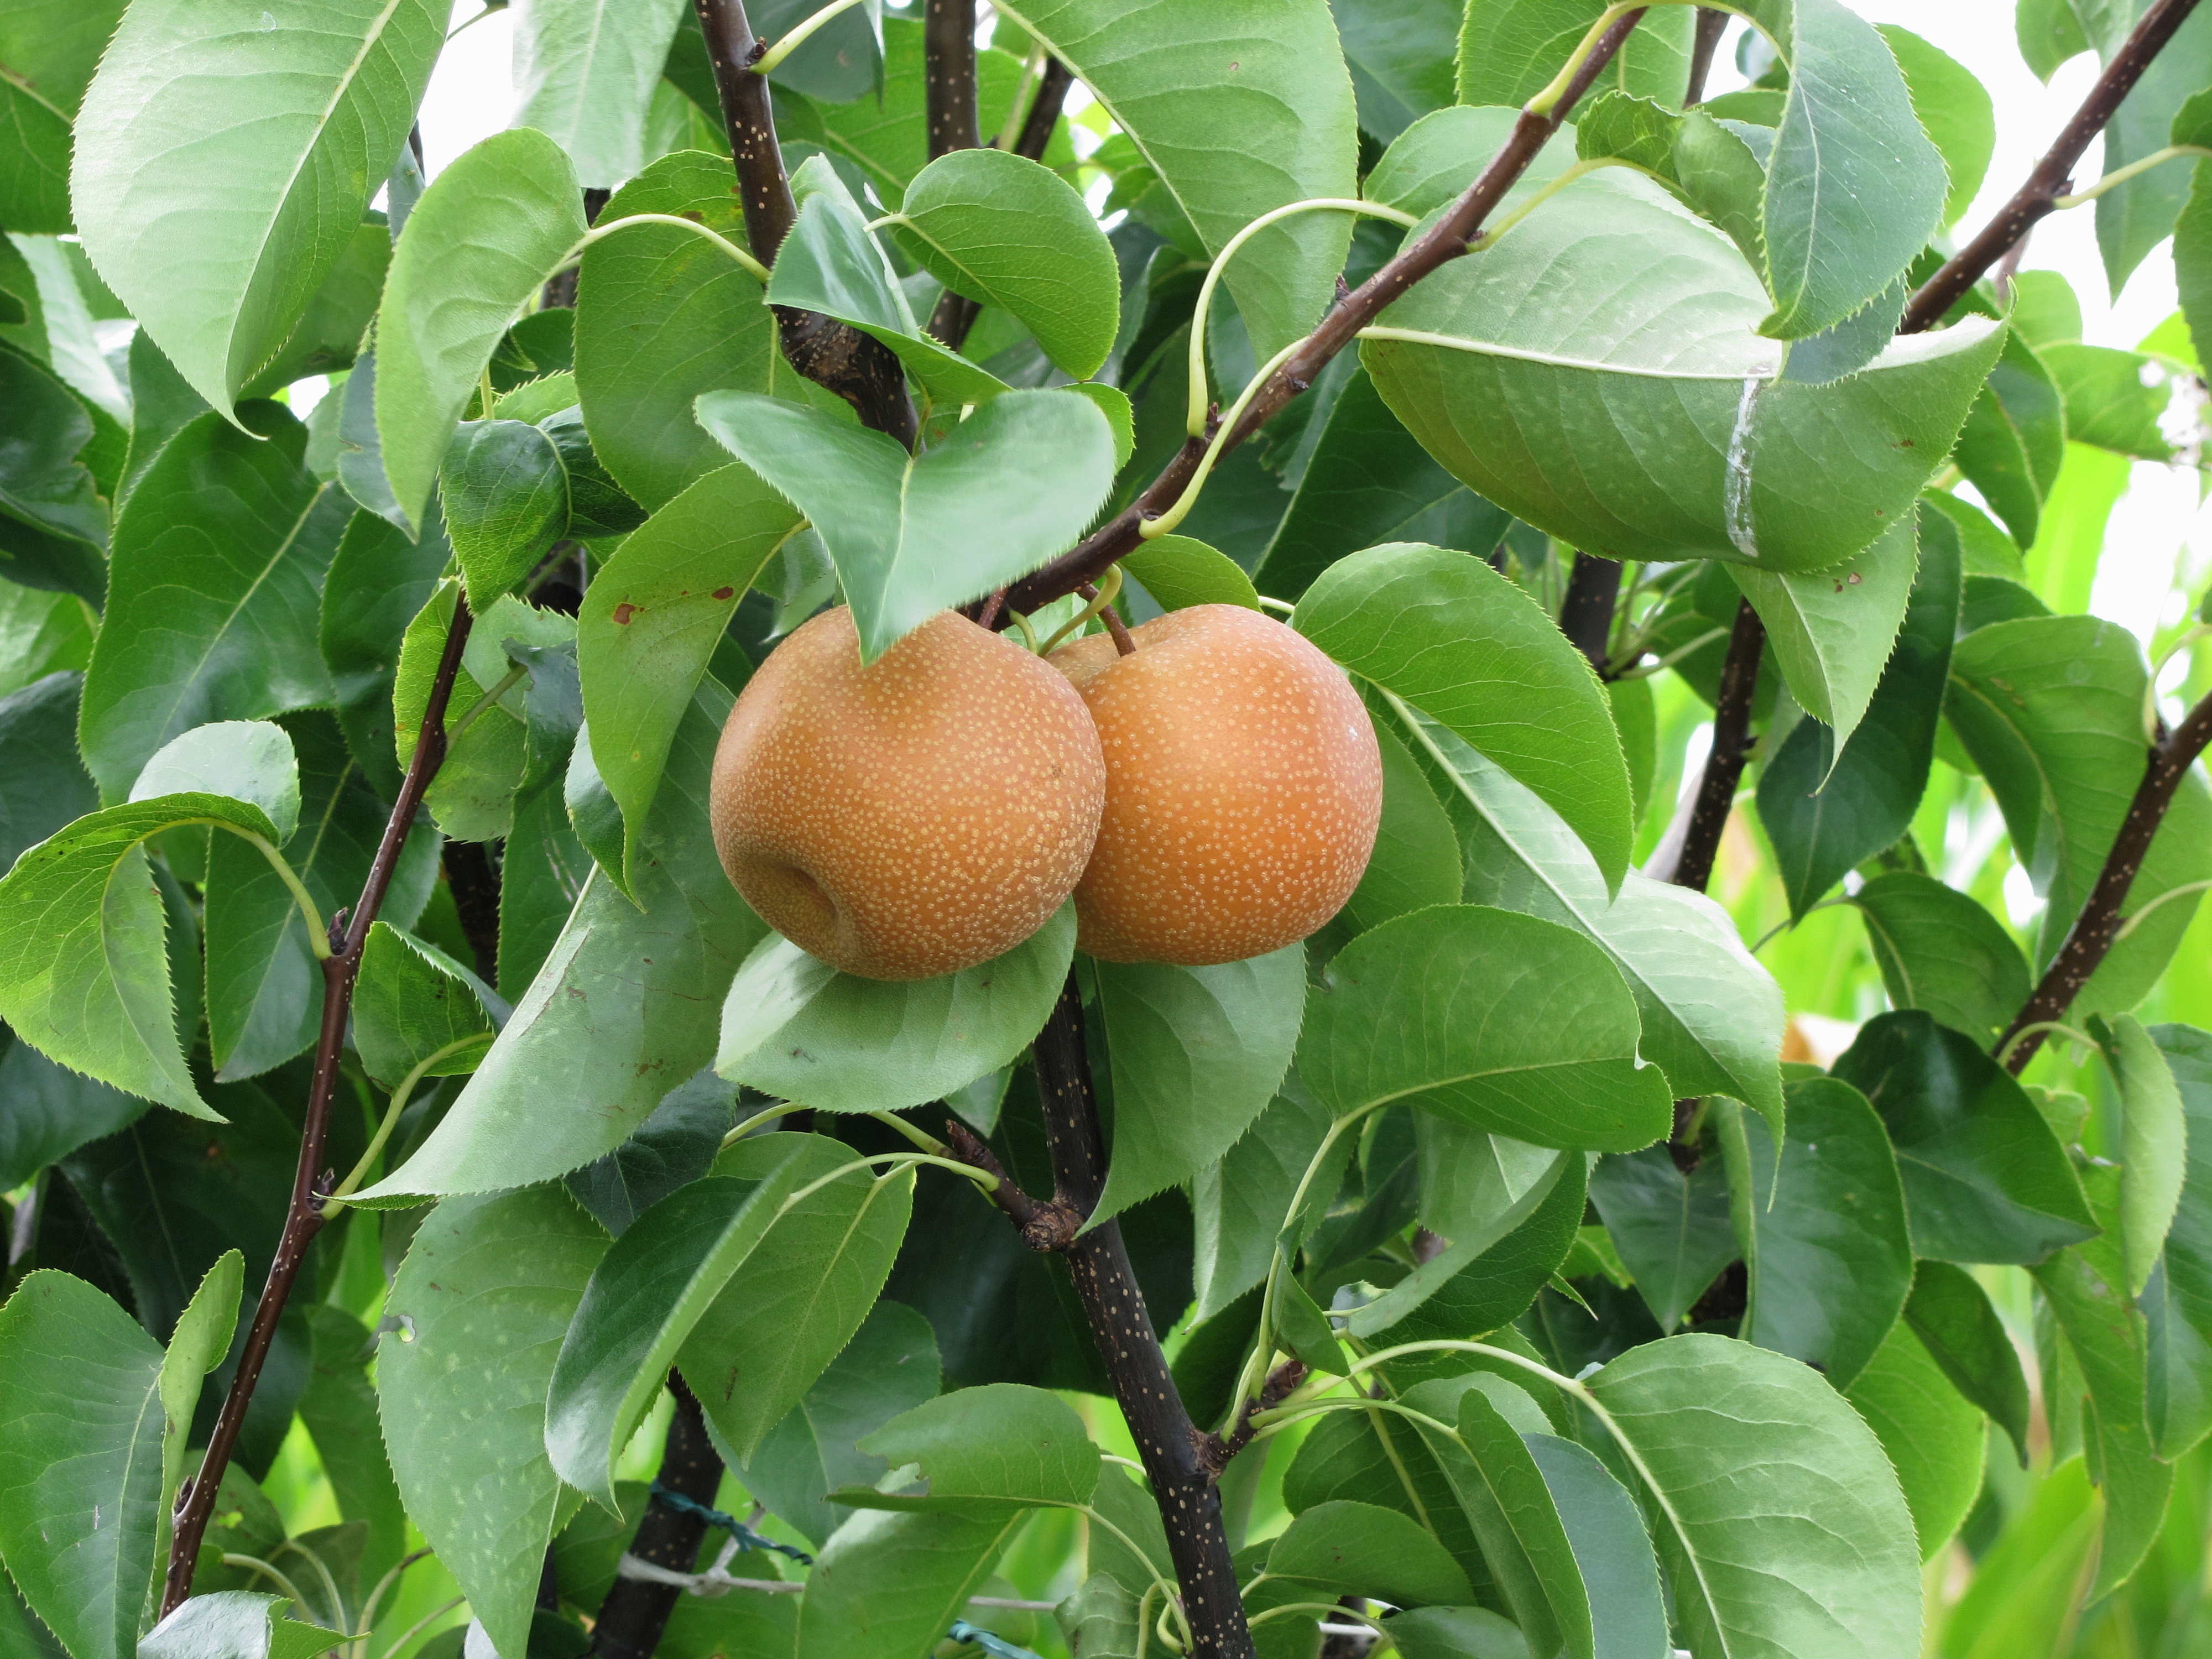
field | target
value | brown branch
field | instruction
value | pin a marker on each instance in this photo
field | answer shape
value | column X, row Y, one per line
column 1586, row 613
column 1175, row 1454
column 2052, row 174
column 1711, row 25
column 1215, row 1450
column 636, row 1611
column 858, row 368
column 948, row 52
column 2098, row 926
column 956, row 314
column 1445, row 240
column 310, row 1181
column 1715, row 798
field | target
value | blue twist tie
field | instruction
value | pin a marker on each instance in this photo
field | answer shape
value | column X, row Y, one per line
column 997, row 1646
column 746, row 1537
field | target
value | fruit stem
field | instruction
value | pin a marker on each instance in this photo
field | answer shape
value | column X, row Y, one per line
column 1101, row 599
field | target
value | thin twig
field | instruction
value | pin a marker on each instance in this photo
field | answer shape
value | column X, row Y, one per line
column 1712, row 23
column 1445, row 240
column 2098, row 925
column 2052, row 174
column 1715, row 797
column 310, row 1181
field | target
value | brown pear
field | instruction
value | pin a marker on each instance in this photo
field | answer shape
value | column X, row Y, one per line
column 1244, row 787
column 913, row 818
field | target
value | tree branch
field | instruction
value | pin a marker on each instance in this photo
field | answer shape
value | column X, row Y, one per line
column 1215, row 1450
column 636, row 1611
column 2098, row 926
column 1586, row 614
column 858, row 368
column 948, row 50
column 1709, row 814
column 1711, row 25
column 2052, row 174
column 310, row 1181
column 1445, row 240
column 1182, row 1462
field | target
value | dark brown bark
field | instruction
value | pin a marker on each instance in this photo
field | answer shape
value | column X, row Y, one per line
column 858, row 368
column 948, row 45
column 636, row 1611
column 475, row 887
column 2098, row 925
column 1711, row 25
column 1446, row 240
column 1709, row 814
column 2052, row 174
column 349, row 933
column 1586, row 614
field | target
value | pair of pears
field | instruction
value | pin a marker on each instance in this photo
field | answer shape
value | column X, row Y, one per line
column 1211, row 796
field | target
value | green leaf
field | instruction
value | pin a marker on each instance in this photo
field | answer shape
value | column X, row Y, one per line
column 1196, row 1055
column 378, row 582
column 1830, row 798
column 597, row 507
column 1357, row 1549
column 506, row 499
column 1712, row 1016
column 1823, row 1235
column 225, row 156
column 1271, row 71
column 1178, row 573
column 1510, row 49
column 2014, row 438
column 52, row 51
column 51, row 1111
column 1833, row 630
column 2192, row 257
column 984, row 1451
column 653, row 616
column 893, row 1582
column 1952, row 107
column 796, row 1028
column 1941, row 951
column 40, row 634
column 339, row 315
column 46, row 785
column 1000, row 229
column 829, row 262
column 890, row 1366
column 796, row 1300
column 416, row 1006
column 1415, row 862
column 339, row 1410
column 1238, row 1204
column 491, row 229
column 84, row 973
column 264, row 986
column 1035, row 464
column 1416, row 1010
column 2051, row 709
column 1959, row 1330
column 248, row 761
column 663, row 315
column 2086, row 1286
column 1986, row 1179
column 2114, row 400
column 502, row 1276
column 543, row 870
column 1934, row 1438
column 1456, row 1633
column 1368, row 483
column 2154, row 1145
column 1098, row 1619
column 1670, row 1226
column 1342, row 1459
column 1460, row 643
column 1589, row 416
column 1811, row 1501
column 214, row 596
column 644, row 1297
column 236, row 1624
column 626, row 1001
column 2135, row 218
column 1497, row 1254
column 2178, row 1302
column 585, row 75
column 672, row 1148
column 1612, row 1547
column 53, row 527
column 81, row 1461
